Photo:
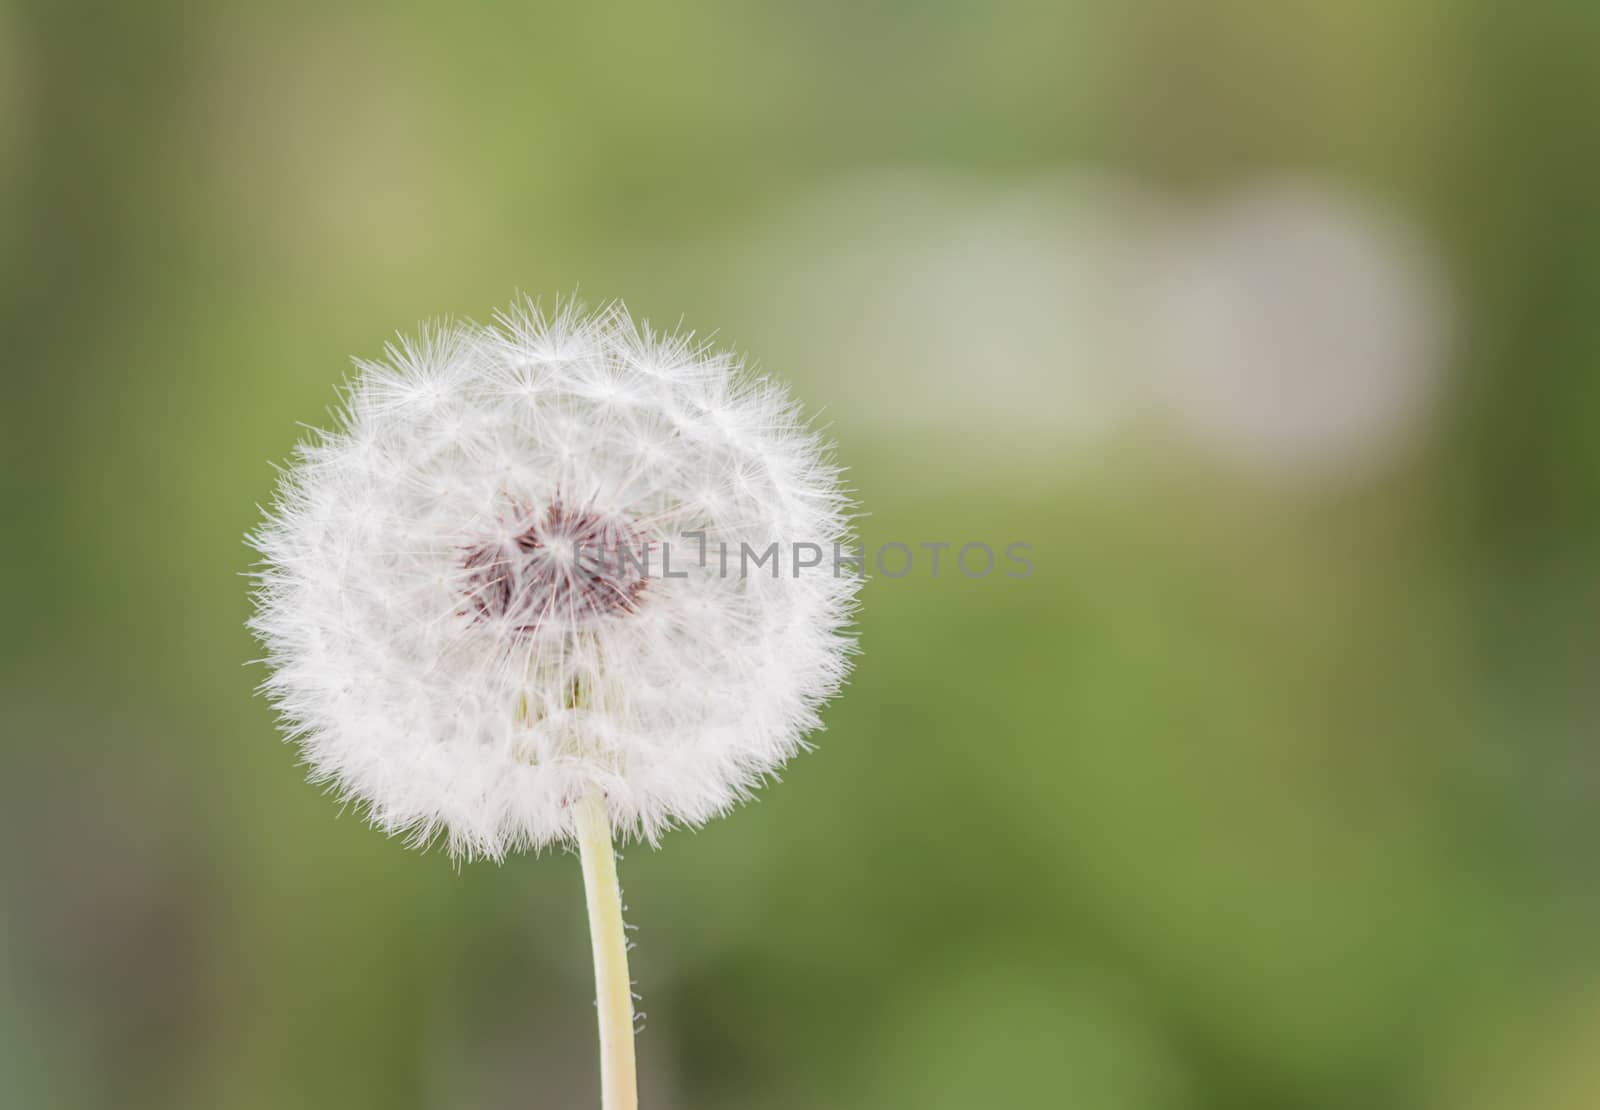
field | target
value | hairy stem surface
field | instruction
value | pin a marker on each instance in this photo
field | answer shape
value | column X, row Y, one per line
column 619, row 1085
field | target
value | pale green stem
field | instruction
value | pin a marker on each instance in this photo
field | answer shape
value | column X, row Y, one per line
column 619, row 1084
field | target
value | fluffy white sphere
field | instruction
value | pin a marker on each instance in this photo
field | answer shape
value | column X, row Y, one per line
column 460, row 633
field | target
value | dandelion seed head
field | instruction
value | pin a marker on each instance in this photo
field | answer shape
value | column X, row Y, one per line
column 462, row 591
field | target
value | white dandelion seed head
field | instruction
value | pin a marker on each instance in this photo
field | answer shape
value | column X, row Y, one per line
column 447, row 654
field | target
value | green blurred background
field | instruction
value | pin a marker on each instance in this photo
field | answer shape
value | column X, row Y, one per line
column 1271, row 327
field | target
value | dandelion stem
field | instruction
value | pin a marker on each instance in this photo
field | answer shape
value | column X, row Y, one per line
column 619, row 1086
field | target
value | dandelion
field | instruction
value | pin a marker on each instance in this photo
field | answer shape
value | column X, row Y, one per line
column 494, row 608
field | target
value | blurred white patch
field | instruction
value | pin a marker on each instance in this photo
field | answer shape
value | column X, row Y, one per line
column 1295, row 331
column 1292, row 330
column 987, row 318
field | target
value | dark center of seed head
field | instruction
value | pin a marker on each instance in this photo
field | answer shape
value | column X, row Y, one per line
column 558, row 568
